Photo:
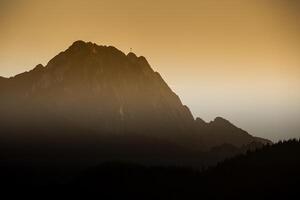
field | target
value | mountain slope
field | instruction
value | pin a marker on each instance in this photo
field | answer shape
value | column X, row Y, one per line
column 221, row 131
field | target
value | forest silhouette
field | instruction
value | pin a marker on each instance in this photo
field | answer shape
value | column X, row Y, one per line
column 269, row 172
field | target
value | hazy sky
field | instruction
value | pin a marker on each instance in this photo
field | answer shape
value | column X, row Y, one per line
column 236, row 59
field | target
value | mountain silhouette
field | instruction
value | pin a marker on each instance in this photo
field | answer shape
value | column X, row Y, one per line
column 99, row 96
column 221, row 131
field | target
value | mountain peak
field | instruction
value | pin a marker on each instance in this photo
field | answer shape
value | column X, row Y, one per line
column 93, row 48
column 38, row 67
column 79, row 43
column 220, row 120
column 131, row 54
column 82, row 54
column 200, row 121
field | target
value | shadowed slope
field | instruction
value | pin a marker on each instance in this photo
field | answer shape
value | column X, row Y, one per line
column 269, row 173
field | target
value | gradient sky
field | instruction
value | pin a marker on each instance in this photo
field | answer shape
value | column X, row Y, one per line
column 235, row 59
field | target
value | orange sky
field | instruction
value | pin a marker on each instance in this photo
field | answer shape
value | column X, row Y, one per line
column 237, row 59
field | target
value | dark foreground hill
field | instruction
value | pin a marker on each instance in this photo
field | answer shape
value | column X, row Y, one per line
column 269, row 173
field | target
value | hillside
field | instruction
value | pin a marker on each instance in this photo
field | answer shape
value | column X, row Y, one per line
column 269, row 173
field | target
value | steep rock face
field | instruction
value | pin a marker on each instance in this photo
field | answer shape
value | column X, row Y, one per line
column 99, row 88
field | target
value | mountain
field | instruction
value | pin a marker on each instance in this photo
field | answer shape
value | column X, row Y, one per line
column 100, row 88
column 99, row 96
column 221, row 131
